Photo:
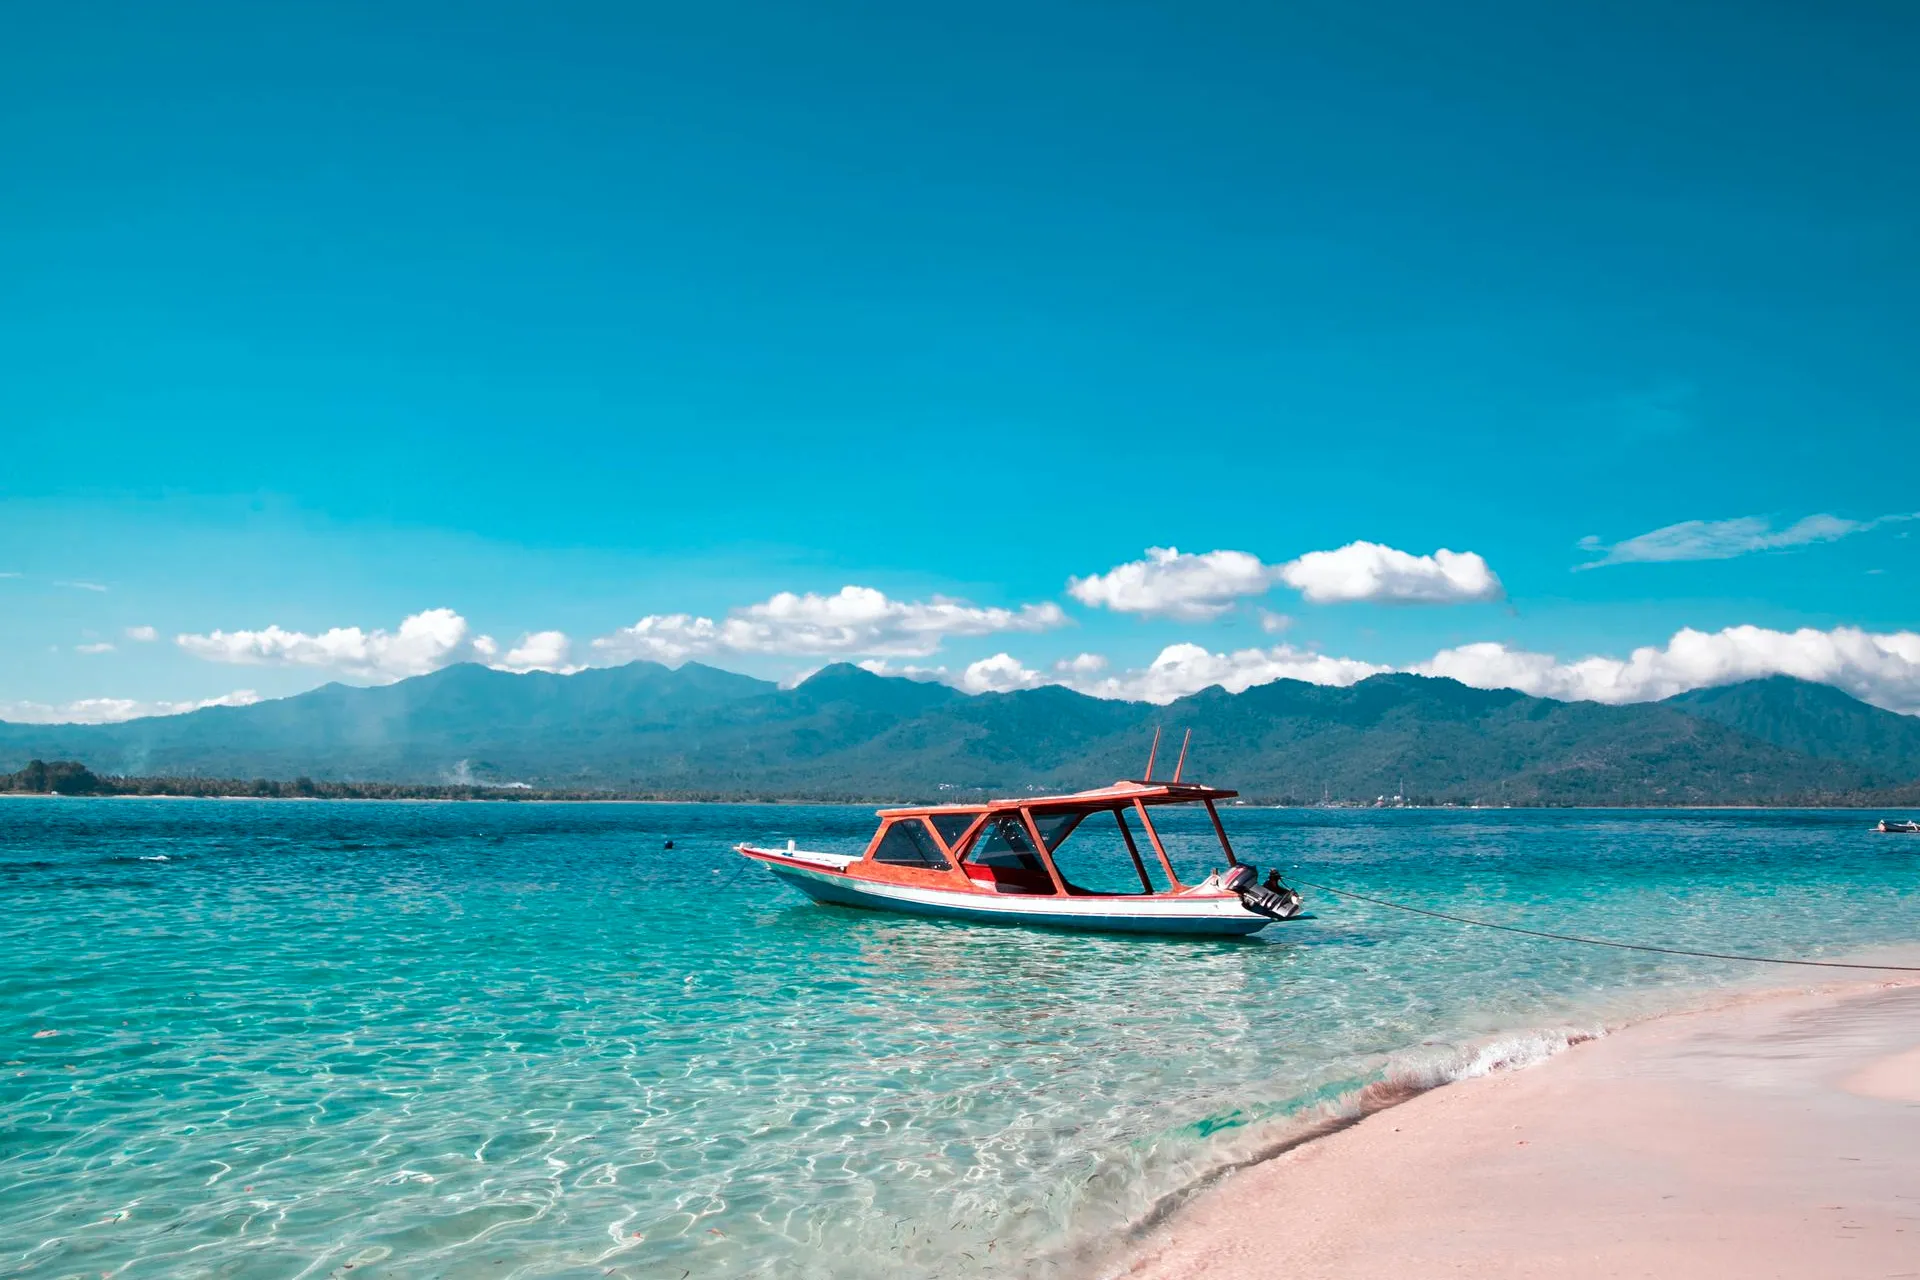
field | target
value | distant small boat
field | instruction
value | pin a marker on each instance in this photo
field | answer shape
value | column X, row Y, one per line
column 1895, row 827
column 993, row 862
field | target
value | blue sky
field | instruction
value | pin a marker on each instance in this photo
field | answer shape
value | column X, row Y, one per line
column 324, row 316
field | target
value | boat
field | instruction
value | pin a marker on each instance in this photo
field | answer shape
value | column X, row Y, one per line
column 996, row 862
column 1896, row 827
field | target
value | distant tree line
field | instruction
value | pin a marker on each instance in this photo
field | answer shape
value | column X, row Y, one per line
column 71, row 778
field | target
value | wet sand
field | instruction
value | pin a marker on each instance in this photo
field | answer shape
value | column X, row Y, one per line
column 1774, row 1136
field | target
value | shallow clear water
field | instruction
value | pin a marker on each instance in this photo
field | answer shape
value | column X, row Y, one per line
column 258, row 1038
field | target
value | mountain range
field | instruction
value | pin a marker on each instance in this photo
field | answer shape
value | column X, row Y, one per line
column 847, row 733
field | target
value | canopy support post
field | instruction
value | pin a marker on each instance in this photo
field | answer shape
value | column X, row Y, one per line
column 1166, row 863
column 1040, row 847
column 1133, row 850
column 1222, row 833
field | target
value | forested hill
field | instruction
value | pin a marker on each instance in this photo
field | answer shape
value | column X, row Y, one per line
column 846, row 733
column 1815, row 719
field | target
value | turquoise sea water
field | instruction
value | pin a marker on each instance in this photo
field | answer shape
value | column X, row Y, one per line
column 277, row 1039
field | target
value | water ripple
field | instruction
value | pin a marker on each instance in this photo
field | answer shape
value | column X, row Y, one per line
column 517, row 1040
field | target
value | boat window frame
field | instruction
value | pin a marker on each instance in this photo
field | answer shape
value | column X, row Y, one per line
column 1046, row 855
column 1074, row 818
column 968, row 834
column 1077, row 819
column 1023, row 823
column 927, row 827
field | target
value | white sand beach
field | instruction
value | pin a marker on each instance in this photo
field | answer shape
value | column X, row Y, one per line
column 1775, row 1135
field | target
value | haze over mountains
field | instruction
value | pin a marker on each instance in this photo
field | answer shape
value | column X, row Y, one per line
column 847, row 733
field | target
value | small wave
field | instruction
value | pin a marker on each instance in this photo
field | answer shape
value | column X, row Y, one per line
column 1405, row 1077
column 155, row 857
column 1507, row 1053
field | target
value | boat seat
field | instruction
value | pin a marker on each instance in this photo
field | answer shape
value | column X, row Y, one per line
column 1007, row 879
column 1014, row 880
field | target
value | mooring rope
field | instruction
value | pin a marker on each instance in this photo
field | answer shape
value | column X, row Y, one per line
column 1605, row 942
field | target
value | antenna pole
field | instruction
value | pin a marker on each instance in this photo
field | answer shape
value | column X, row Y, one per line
column 1154, row 751
column 1182, row 763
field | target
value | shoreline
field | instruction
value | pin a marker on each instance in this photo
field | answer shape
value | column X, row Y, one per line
column 1512, row 1170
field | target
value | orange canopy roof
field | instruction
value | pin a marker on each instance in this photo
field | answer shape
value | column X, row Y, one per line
column 1120, row 793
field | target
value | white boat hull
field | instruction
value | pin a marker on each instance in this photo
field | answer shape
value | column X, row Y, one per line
column 1212, row 914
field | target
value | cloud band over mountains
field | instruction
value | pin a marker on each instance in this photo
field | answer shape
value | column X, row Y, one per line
column 1173, row 584
column 852, row 622
column 904, row 637
column 1883, row 669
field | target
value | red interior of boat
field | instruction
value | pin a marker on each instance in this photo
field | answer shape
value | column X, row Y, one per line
column 1007, row 879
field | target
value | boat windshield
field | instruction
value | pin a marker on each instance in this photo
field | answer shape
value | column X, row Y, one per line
column 1119, row 849
column 908, row 843
column 1004, row 844
column 1087, row 850
column 1054, row 828
column 952, row 826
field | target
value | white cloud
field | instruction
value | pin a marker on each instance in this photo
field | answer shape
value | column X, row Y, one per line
column 1883, row 669
column 1173, row 584
column 1182, row 669
column 144, row 635
column 1081, row 666
column 1002, row 673
column 83, row 586
column 9, row 575
column 853, row 621
column 424, row 642
column 671, row 638
column 1274, row 623
column 539, row 651
column 99, row 646
column 1725, row 539
column 863, row 620
column 1368, row 571
column 114, row 710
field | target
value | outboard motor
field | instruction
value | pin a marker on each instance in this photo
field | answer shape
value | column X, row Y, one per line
column 1272, row 899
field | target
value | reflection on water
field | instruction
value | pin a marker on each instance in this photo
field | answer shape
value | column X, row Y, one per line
column 513, row 1040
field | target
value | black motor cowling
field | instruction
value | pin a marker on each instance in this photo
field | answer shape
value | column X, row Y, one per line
column 1279, row 904
column 1272, row 899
